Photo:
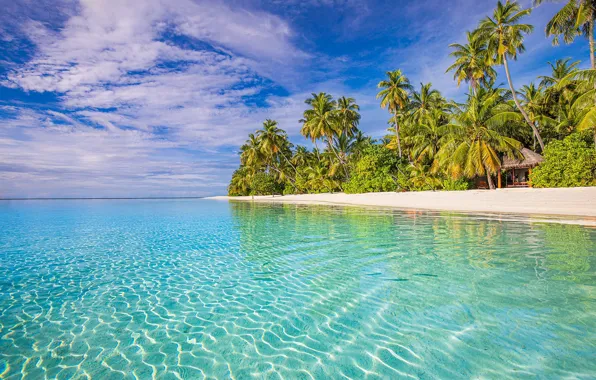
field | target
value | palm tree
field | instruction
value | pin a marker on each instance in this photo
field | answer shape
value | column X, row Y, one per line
column 425, row 139
column 301, row 156
column 348, row 116
column 399, row 125
column 423, row 102
column 319, row 178
column 580, row 114
column 535, row 101
column 241, row 181
column 394, row 97
column 274, row 141
column 560, row 69
column 473, row 143
column 504, row 35
column 471, row 62
column 250, row 152
column 348, row 119
column 358, row 143
column 576, row 18
column 322, row 120
column 561, row 84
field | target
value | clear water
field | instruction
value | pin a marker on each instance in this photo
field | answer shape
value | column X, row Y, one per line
column 193, row 289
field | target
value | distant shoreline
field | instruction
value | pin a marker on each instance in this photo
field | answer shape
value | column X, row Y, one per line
column 577, row 202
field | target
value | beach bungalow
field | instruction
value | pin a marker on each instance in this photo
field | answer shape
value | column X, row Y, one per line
column 516, row 172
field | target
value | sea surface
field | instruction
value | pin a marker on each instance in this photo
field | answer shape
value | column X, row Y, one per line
column 190, row 289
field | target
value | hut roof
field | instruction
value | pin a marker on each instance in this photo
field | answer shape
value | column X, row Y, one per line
column 531, row 159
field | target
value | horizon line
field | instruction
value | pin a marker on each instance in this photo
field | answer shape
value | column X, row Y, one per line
column 94, row 198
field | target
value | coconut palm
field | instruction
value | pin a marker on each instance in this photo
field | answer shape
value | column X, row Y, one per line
column 320, row 121
column 400, row 124
column 575, row 18
column 394, row 97
column 358, row 143
column 273, row 141
column 323, row 120
column 535, row 100
column 559, row 70
column 318, row 178
column 348, row 116
column 422, row 103
column 241, row 181
column 504, row 35
column 250, row 152
column 301, row 156
column 561, row 84
column 579, row 114
column 425, row 139
column 473, row 143
column 348, row 119
column 422, row 178
column 471, row 62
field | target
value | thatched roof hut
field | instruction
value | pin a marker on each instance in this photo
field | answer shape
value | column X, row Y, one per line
column 531, row 159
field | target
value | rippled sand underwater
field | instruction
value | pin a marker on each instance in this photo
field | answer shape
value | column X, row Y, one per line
column 201, row 289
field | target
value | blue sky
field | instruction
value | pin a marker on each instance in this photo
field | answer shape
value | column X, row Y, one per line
column 118, row 98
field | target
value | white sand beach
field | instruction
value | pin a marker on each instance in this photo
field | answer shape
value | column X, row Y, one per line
column 573, row 202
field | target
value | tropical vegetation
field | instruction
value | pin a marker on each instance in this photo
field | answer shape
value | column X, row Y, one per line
column 434, row 143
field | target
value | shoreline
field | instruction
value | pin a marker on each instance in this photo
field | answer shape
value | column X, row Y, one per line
column 560, row 205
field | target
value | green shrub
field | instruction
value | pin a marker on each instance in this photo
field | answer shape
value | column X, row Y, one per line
column 567, row 163
column 456, row 184
column 265, row 184
column 374, row 170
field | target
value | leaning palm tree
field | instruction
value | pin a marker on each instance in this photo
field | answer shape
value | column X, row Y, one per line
column 535, row 100
column 394, row 97
column 576, row 17
column 504, row 35
column 473, row 143
column 471, row 62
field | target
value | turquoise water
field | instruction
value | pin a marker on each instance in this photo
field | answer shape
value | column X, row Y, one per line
column 194, row 288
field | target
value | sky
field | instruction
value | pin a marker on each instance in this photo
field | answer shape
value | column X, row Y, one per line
column 149, row 98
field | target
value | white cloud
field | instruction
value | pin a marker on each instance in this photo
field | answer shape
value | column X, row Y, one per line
column 121, row 84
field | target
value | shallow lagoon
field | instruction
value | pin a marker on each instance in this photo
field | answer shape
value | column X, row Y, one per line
column 197, row 288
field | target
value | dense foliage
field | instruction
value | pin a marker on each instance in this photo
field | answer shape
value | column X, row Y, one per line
column 567, row 163
column 438, row 144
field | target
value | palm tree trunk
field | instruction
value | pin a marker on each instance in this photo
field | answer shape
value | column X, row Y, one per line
column 397, row 135
column 519, row 107
column 292, row 180
column 289, row 162
column 591, row 39
column 317, row 149
column 341, row 162
column 489, row 178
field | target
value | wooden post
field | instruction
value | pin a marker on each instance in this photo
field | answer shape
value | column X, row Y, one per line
column 513, row 177
column 499, row 178
column 529, row 173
